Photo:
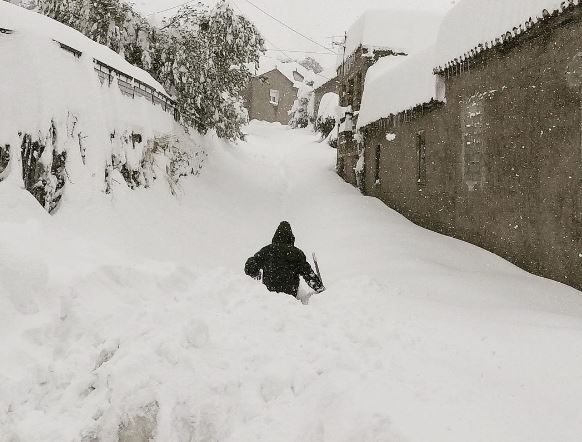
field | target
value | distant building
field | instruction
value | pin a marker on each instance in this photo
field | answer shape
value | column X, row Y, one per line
column 376, row 34
column 273, row 90
column 479, row 137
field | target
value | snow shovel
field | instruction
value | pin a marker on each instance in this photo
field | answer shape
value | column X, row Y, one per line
column 305, row 298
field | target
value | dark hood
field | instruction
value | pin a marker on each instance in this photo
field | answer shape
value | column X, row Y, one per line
column 284, row 234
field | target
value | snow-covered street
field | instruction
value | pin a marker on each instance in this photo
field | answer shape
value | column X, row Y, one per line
column 131, row 313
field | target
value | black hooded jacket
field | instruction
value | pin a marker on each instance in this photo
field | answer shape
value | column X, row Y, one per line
column 282, row 263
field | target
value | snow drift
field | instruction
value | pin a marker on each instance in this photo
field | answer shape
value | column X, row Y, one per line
column 62, row 128
column 133, row 317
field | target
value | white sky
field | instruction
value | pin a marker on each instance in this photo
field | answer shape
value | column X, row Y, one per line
column 318, row 19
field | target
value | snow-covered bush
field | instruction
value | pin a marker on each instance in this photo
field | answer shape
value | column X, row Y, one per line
column 43, row 167
column 328, row 116
column 4, row 159
column 302, row 113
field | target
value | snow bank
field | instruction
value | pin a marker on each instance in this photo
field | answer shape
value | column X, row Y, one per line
column 133, row 315
column 401, row 31
column 329, row 107
column 18, row 19
column 472, row 24
column 395, row 84
column 58, row 101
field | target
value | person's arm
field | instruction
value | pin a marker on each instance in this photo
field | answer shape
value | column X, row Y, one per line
column 255, row 264
column 310, row 277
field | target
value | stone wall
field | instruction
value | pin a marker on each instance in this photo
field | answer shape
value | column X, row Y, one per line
column 500, row 165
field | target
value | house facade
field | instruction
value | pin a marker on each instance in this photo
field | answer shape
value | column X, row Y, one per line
column 376, row 34
column 273, row 90
column 498, row 163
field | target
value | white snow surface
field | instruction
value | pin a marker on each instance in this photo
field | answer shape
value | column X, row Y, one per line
column 395, row 84
column 324, row 77
column 329, row 106
column 40, row 83
column 471, row 23
column 120, row 302
column 405, row 31
column 23, row 21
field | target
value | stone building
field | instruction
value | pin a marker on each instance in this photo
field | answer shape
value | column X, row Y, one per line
column 482, row 141
column 376, row 34
column 273, row 90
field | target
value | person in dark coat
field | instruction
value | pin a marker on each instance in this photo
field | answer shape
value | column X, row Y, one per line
column 282, row 264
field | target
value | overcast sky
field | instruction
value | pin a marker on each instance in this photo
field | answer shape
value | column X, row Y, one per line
column 317, row 19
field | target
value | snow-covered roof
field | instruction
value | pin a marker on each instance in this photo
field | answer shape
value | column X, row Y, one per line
column 324, row 77
column 21, row 20
column 267, row 64
column 329, row 106
column 395, row 84
column 472, row 24
column 401, row 31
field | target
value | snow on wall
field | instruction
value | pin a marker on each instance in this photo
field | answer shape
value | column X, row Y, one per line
column 329, row 107
column 18, row 19
column 395, row 84
column 389, row 29
column 472, row 24
column 42, row 86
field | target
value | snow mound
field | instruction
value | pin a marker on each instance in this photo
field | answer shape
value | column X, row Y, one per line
column 329, row 106
column 400, row 31
column 21, row 20
column 395, row 84
column 473, row 24
column 56, row 100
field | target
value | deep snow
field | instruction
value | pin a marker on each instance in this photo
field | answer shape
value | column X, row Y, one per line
column 134, row 299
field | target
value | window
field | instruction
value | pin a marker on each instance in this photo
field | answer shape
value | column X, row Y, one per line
column 421, row 153
column 358, row 90
column 473, row 145
column 274, row 97
column 298, row 77
column 351, row 92
column 377, row 166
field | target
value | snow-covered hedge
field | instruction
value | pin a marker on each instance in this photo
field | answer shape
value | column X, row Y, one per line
column 328, row 115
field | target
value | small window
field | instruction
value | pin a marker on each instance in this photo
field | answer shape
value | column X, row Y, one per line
column 298, row 77
column 377, row 165
column 421, row 152
column 473, row 127
column 274, row 97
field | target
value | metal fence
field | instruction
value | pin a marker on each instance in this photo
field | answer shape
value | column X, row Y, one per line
column 129, row 86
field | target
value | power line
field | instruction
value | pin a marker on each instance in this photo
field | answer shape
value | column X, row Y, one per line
column 171, row 7
column 302, row 52
column 289, row 27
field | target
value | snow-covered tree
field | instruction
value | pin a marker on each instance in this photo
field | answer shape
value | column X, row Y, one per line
column 201, row 56
column 210, row 67
column 311, row 64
